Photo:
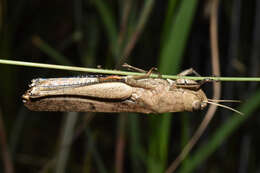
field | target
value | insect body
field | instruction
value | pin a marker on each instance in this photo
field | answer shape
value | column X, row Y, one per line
column 113, row 94
column 121, row 94
column 140, row 94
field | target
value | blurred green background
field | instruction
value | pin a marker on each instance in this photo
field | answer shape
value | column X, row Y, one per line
column 172, row 35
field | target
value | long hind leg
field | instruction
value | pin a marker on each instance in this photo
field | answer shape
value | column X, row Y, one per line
column 131, row 80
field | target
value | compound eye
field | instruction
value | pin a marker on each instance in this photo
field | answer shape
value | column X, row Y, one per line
column 196, row 105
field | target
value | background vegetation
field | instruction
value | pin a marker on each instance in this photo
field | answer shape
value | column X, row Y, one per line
column 172, row 35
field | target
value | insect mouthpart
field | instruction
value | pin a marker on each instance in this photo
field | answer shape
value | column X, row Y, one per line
column 198, row 105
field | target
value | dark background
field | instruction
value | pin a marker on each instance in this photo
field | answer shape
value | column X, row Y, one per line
column 171, row 35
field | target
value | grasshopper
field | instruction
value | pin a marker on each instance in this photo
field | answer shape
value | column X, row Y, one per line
column 140, row 94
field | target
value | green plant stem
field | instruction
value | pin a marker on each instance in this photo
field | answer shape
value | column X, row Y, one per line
column 117, row 72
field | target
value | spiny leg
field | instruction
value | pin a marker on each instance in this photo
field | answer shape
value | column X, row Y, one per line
column 190, row 84
column 147, row 75
column 131, row 80
column 133, row 68
column 115, row 78
column 135, row 80
column 188, row 72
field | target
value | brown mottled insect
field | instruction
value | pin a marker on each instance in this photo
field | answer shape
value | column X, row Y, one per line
column 140, row 94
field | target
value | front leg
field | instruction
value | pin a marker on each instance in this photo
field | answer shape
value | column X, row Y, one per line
column 188, row 83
